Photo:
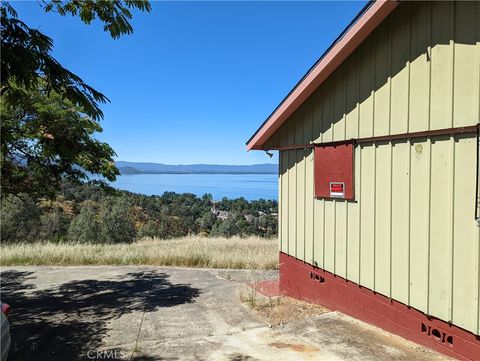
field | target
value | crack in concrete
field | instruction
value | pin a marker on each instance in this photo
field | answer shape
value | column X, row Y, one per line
column 141, row 320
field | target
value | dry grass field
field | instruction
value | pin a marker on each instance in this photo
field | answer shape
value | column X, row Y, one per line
column 231, row 253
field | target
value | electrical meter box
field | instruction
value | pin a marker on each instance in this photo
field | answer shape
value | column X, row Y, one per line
column 334, row 171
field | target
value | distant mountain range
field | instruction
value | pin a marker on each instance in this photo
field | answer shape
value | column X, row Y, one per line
column 159, row 168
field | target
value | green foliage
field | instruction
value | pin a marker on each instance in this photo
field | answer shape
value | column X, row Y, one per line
column 268, row 225
column 53, row 225
column 20, row 219
column 48, row 139
column 235, row 224
column 87, row 213
column 226, row 228
column 85, row 227
column 206, row 221
column 117, row 224
column 49, row 114
column 151, row 229
column 26, row 52
column 114, row 14
column 27, row 61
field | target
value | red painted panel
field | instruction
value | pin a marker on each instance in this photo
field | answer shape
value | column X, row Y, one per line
column 345, row 296
column 334, row 171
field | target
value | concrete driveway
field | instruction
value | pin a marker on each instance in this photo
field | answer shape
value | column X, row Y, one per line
column 156, row 313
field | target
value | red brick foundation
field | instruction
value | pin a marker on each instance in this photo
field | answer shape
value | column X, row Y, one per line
column 305, row 282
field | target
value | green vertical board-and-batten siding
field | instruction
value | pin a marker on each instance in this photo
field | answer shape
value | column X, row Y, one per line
column 410, row 234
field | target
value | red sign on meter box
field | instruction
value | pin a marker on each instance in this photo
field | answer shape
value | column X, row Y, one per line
column 334, row 171
column 337, row 189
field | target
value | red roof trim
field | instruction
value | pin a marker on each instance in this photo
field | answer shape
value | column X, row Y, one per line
column 359, row 31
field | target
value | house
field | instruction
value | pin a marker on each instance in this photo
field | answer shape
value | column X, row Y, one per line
column 379, row 174
column 218, row 213
column 249, row 218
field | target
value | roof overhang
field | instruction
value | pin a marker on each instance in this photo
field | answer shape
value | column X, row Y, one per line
column 356, row 33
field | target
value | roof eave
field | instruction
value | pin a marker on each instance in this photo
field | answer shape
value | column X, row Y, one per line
column 345, row 46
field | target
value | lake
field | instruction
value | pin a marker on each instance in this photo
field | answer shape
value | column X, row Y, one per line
column 249, row 186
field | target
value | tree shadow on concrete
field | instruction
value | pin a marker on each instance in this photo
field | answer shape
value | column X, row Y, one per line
column 65, row 322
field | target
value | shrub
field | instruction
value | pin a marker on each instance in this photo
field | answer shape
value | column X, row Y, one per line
column 235, row 224
column 20, row 219
column 116, row 220
column 54, row 226
column 85, row 227
column 150, row 229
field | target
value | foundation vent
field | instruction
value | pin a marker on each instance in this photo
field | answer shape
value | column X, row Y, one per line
column 317, row 277
column 437, row 335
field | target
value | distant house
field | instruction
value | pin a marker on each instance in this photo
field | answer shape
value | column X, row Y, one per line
column 379, row 174
column 249, row 217
column 218, row 213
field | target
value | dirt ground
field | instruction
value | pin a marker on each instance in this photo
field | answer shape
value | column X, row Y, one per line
column 161, row 313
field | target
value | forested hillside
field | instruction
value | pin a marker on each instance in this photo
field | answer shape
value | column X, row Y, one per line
column 91, row 214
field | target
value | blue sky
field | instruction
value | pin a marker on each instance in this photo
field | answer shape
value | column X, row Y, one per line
column 196, row 79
